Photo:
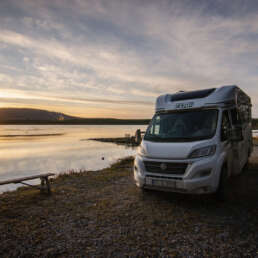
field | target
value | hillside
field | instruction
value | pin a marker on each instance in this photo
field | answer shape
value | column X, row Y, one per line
column 25, row 114
column 38, row 116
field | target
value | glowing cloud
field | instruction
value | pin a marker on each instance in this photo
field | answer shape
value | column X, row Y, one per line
column 108, row 58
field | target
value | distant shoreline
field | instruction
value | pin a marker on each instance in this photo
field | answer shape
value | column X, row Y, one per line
column 91, row 121
column 88, row 121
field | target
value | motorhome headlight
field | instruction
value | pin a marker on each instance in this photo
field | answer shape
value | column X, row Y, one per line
column 203, row 152
column 141, row 151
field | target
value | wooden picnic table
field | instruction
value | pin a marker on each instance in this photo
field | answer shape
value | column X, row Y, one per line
column 44, row 186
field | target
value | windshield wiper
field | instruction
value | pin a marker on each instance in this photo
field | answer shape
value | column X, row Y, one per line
column 174, row 139
column 152, row 136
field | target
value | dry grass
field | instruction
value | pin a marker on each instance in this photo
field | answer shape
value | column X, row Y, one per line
column 103, row 214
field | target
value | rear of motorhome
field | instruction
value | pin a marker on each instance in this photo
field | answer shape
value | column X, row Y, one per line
column 195, row 141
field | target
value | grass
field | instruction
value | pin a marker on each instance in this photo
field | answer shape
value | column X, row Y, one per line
column 103, row 214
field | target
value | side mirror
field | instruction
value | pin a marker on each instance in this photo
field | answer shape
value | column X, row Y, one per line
column 236, row 134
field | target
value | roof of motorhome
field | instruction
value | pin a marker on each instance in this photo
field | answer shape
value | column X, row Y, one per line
column 200, row 98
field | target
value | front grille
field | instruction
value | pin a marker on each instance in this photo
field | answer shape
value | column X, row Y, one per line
column 165, row 167
column 164, row 177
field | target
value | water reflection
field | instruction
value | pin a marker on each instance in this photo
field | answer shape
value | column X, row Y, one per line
column 26, row 155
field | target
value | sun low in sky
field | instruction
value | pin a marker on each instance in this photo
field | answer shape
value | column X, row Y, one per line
column 111, row 58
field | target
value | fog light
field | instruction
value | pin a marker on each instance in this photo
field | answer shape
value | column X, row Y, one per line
column 202, row 173
column 205, row 173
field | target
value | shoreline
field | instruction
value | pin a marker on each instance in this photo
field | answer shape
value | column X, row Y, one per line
column 36, row 182
column 104, row 214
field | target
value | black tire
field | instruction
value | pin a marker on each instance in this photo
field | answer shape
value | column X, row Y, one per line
column 145, row 190
column 144, row 193
column 221, row 191
column 246, row 166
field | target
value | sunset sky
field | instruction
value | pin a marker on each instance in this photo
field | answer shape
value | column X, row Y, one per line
column 113, row 58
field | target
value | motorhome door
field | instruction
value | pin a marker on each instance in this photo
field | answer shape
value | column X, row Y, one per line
column 239, row 147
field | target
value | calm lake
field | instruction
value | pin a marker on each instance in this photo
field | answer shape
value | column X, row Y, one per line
column 31, row 149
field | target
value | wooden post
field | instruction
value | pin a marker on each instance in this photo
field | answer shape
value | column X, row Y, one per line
column 45, row 186
column 42, row 184
column 48, row 185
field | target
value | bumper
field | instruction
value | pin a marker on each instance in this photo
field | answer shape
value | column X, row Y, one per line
column 201, row 176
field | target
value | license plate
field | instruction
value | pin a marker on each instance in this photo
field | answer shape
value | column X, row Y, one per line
column 161, row 183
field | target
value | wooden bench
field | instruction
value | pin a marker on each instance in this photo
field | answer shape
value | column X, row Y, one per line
column 44, row 186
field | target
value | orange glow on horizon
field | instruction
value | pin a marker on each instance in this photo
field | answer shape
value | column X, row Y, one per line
column 81, row 112
column 72, row 107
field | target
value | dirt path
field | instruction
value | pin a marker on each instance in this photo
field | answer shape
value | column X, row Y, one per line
column 103, row 214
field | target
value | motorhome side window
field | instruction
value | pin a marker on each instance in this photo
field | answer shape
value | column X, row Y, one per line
column 245, row 113
column 225, row 126
column 249, row 114
column 234, row 117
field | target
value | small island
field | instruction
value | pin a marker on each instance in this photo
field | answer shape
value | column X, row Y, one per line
column 127, row 141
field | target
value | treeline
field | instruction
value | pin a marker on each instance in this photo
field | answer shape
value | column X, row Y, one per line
column 91, row 121
column 82, row 121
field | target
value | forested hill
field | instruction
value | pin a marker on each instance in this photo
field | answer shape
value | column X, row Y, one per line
column 29, row 114
column 38, row 116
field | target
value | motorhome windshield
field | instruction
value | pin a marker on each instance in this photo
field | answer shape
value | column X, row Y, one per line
column 183, row 126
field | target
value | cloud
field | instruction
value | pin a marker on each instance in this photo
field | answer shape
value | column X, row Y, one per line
column 126, row 52
column 7, row 95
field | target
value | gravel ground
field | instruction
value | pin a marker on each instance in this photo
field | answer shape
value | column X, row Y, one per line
column 103, row 214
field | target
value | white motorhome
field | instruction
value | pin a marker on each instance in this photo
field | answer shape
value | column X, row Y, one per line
column 195, row 141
